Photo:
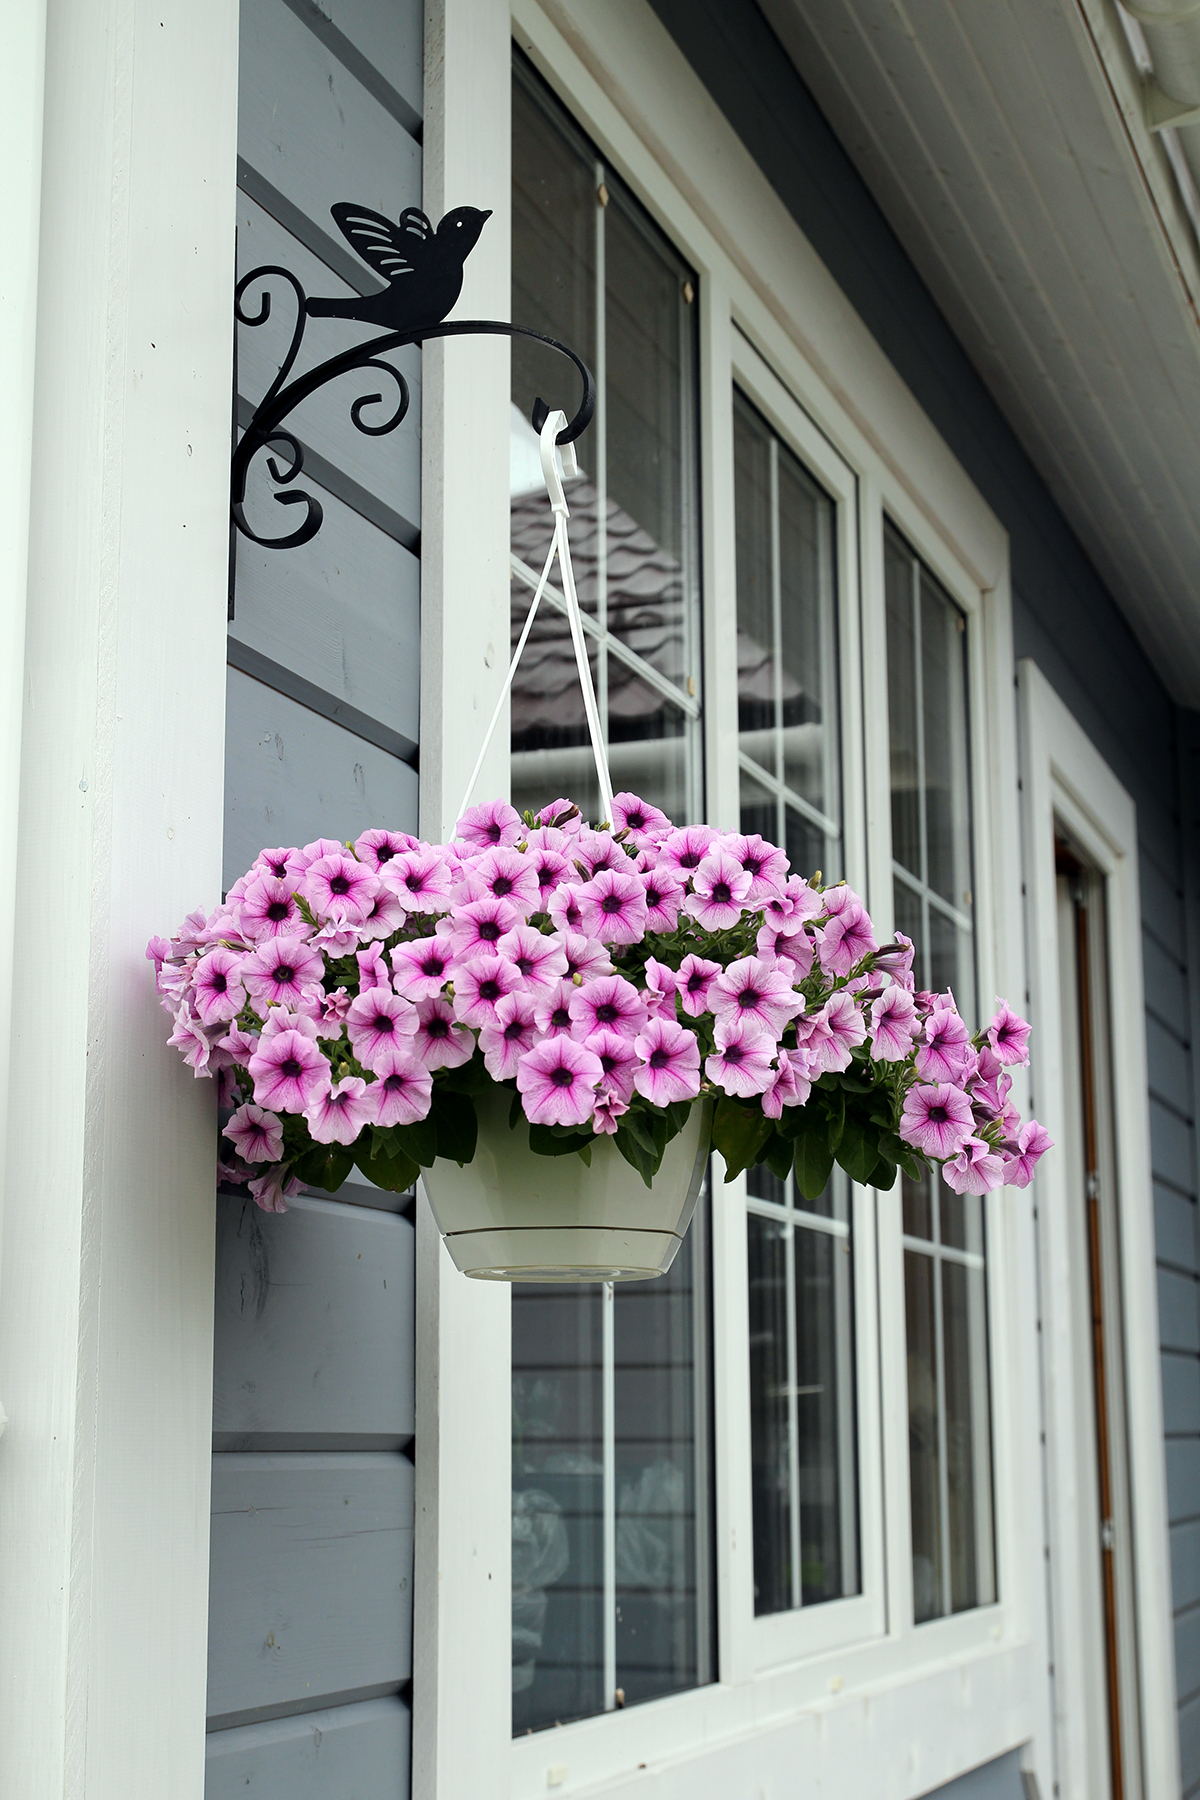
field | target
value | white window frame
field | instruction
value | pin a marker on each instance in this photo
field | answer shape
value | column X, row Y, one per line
column 631, row 89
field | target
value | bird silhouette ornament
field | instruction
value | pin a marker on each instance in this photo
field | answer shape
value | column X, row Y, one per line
column 423, row 270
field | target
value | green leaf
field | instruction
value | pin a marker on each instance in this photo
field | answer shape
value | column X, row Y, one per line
column 457, row 1125
column 584, row 1153
column 739, row 1133
column 515, row 1111
column 637, row 1125
column 778, row 1155
column 813, row 1165
column 884, row 1174
column 324, row 1166
column 419, row 1141
column 634, row 1151
column 835, row 1113
column 469, row 1078
column 677, row 1117
column 384, row 1163
column 545, row 1141
column 858, row 1151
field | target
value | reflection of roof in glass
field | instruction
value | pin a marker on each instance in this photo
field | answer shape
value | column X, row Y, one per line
column 644, row 588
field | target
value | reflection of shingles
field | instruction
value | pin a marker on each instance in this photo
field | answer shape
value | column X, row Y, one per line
column 644, row 586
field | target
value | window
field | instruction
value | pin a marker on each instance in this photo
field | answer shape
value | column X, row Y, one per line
column 590, row 268
column 803, row 1427
column 949, row 1410
column 613, row 1589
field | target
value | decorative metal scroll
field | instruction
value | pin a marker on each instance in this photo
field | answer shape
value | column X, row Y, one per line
column 423, row 269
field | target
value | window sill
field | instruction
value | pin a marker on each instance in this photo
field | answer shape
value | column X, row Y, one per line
column 867, row 1722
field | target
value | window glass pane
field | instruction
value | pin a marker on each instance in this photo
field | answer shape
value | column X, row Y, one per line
column 551, row 748
column 649, row 746
column 947, row 815
column 755, row 584
column 924, row 1458
column 825, row 1415
column 899, row 572
column 808, row 651
column 770, row 1438
column 917, row 1207
column 968, row 1436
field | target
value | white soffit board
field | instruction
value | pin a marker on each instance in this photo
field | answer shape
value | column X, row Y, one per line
column 1003, row 143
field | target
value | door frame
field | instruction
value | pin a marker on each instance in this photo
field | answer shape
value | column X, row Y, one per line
column 1064, row 778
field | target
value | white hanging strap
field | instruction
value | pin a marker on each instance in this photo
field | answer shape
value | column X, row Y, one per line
column 559, row 546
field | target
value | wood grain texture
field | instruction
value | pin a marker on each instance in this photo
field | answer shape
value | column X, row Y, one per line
column 314, row 1327
column 356, row 1752
column 292, row 776
column 310, row 1583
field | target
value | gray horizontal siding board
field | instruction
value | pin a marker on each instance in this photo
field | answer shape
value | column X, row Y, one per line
column 1185, row 1564
column 292, row 776
column 357, row 1752
column 1181, row 1392
column 1162, row 908
column 342, row 612
column 1166, row 986
column 314, row 1326
column 310, row 1596
column 1183, row 1478
column 998, row 1780
column 1169, row 1066
column 386, row 467
column 1189, row 1744
column 381, row 42
column 1175, row 1228
column 1187, row 1652
column 1178, row 1311
column 310, row 129
column 1171, row 1147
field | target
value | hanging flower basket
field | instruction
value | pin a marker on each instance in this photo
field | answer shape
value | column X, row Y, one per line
column 555, row 1025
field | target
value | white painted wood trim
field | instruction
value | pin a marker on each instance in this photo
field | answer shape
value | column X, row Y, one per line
column 462, row 1645
column 106, row 1281
column 1063, row 774
column 20, row 219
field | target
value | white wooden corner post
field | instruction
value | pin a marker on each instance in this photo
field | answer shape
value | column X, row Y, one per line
column 462, row 1650
column 106, row 1262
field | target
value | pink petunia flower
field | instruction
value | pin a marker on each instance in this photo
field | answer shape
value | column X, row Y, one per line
column 937, row 1120
column 193, row 1043
column 420, row 879
column 607, row 1112
column 478, row 985
column 508, row 875
column 280, row 969
column 217, row 986
column 893, row 1025
column 790, row 1085
column 696, row 976
column 313, row 852
column 794, row 944
column 839, row 898
column 613, row 907
column 377, row 847
column 239, row 1045
column 1033, row 1141
column 584, row 955
column 846, row 939
column 719, row 888
column 565, row 910
column 340, row 888
column 505, row 1041
column 686, row 848
column 372, row 970
column 947, row 1053
column 561, row 815
column 741, row 1063
column 335, row 938
column 643, row 822
column 896, row 960
column 670, row 1065
column 386, row 915
column 338, row 1116
column 977, row 1168
column 1008, row 1035
column 288, row 1071
column 494, row 823
column 618, row 1059
column 476, row 929
column 402, row 1091
column 549, row 865
column 272, row 1193
column 609, row 1004
column 439, row 1041
column 268, row 909
column 255, row 1134
column 422, row 967
column 376, row 1020
column 232, row 1172
column 327, row 1011
column 282, row 1018
column 752, row 988
column 665, row 889
column 766, row 866
column 281, row 865
column 552, row 1009
column 662, row 984
column 557, row 1080
column 538, row 959
column 595, row 850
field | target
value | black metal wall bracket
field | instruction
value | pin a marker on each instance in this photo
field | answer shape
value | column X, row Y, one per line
column 421, row 270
